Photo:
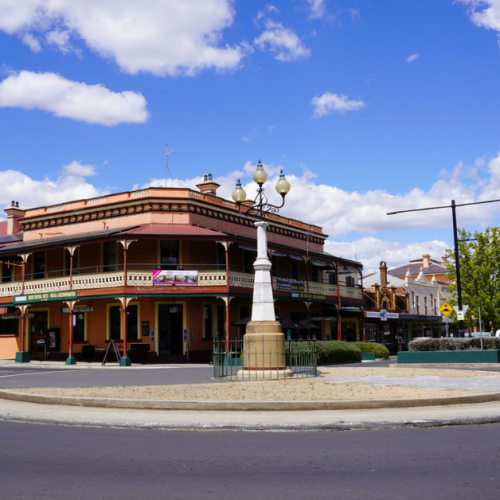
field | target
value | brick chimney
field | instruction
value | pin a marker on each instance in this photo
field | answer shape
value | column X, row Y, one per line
column 426, row 260
column 14, row 213
column 208, row 186
column 383, row 273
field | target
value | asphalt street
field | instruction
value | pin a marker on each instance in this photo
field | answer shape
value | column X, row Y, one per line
column 16, row 378
column 46, row 462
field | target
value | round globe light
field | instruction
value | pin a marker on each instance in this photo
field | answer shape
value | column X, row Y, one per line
column 239, row 195
column 282, row 186
column 260, row 175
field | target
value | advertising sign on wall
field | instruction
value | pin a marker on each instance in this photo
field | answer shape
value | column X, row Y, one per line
column 172, row 278
column 289, row 284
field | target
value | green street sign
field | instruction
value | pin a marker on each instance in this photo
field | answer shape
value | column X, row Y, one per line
column 45, row 297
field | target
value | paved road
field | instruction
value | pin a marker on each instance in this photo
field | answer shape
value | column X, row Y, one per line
column 59, row 463
column 15, row 378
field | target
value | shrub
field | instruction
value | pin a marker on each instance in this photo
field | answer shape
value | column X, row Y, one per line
column 380, row 351
column 336, row 351
column 453, row 344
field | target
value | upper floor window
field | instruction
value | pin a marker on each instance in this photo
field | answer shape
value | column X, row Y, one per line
column 418, row 304
column 274, row 262
column 109, row 256
column 248, row 260
column 425, row 304
column 7, row 272
column 169, row 254
column 314, row 273
column 295, row 269
column 221, row 256
column 38, row 265
column 349, row 281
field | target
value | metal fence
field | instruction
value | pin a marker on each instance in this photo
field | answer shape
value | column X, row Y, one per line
column 296, row 358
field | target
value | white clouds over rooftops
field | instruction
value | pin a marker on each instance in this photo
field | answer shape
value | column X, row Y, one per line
column 282, row 42
column 164, row 37
column 68, row 99
column 412, row 57
column 328, row 103
column 79, row 169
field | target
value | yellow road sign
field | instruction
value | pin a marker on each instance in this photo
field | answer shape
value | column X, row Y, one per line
column 446, row 309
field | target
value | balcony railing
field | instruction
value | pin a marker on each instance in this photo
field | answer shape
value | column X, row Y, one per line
column 144, row 278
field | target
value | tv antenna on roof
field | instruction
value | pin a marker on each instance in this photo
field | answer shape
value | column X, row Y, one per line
column 167, row 154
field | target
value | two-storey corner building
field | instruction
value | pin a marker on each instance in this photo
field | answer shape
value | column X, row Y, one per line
column 162, row 271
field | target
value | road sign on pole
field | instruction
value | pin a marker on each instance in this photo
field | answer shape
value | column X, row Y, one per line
column 446, row 309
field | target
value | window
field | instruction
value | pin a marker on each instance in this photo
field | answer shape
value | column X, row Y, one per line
column 221, row 256
column 248, row 260
column 418, row 305
column 274, row 262
column 7, row 272
column 39, row 265
column 207, row 321
column 425, row 305
column 221, row 329
column 413, row 300
column 10, row 326
column 370, row 332
column 114, row 319
column 169, row 254
column 314, row 274
column 295, row 269
column 79, row 327
column 331, row 278
column 67, row 263
column 132, row 322
column 109, row 256
column 432, row 303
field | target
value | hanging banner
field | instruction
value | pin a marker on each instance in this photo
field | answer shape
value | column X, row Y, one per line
column 289, row 284
column 172, row 278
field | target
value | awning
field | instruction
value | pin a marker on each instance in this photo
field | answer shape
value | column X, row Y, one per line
column 295, row 257
column 279, row 254
column 319, row 263
column 248, row 247
column 344, row 268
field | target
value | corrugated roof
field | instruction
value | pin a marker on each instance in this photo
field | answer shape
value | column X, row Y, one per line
column 173, row 230
column 415, row 269
column 61, row 240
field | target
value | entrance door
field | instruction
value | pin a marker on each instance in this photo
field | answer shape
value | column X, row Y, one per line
column 38, row 333
column 170, row 329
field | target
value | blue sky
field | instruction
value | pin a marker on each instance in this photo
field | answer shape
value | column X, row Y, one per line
column 368, row 106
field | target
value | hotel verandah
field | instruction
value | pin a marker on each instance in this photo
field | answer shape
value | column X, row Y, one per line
column 99, row 255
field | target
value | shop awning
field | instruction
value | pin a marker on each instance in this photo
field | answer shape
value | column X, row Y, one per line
column 248, row 247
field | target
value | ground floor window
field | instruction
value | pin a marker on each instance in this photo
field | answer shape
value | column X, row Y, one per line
column 114, row 322
column 79, row 327
column 133, row 322
column 9, row 326
column 214, row 321
column 370, row 332
column 348, row 332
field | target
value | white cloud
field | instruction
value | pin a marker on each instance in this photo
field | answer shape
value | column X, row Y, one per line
column 32, row 42
column 318, row 8
column 412, row 57
column 79, row 169
column 341, row 212
column 327, row 103
column 34, row 193
column 371, row 251
column 68, row 99
column 282, row 42
column 164, row 37
column 60, row 39
column 485, row 13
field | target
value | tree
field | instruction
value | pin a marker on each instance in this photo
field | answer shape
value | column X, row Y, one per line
column 479, row 275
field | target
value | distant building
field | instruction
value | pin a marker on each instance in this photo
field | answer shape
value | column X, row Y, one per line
column 403, row 309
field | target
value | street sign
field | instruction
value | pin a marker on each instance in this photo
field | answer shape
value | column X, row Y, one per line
column 464, row 309
column 383, row 314
column 446, row 309
column 460, row 315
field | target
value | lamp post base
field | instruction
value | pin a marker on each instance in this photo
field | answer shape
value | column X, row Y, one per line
column 125, row 361
column 71, row 360
column 22, row 357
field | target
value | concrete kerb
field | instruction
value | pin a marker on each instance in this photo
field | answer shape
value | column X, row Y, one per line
column 141, row 404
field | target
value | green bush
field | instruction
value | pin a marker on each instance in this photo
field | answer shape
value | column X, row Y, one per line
column 380, row 351
column 454, row 344
column 336, row 351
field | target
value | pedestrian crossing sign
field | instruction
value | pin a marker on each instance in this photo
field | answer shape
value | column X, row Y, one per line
column 446, row 309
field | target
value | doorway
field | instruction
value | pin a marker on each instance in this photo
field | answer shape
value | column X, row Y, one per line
column 170, row 329
column 38, row 332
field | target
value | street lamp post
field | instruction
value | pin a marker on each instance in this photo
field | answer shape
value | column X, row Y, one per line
column 264, row 341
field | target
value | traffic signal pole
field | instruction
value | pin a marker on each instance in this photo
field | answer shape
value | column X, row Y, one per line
column 457, row 267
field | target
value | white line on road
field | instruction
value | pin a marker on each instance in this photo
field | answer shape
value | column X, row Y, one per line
column 19, row 374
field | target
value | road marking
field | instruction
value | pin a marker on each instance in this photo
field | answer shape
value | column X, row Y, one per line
column 19, row 374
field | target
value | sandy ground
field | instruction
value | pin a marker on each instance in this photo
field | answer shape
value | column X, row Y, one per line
column 279, row 390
